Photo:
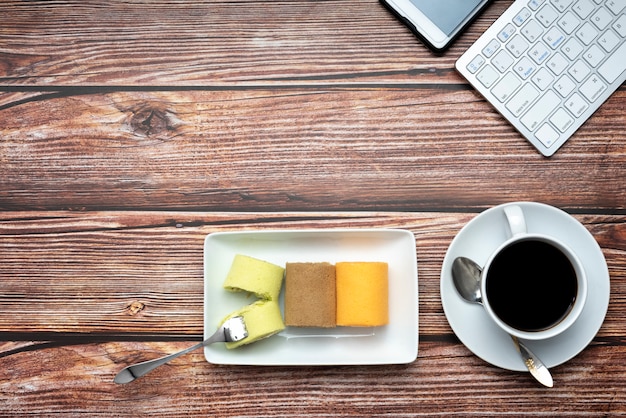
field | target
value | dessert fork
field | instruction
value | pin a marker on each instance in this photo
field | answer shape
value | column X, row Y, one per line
column 234, row 329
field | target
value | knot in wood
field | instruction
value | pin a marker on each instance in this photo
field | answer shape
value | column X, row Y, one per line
column 149, row 121
column 135, row 307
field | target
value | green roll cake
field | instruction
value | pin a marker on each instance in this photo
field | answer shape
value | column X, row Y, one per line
column 262, row 319
column 255, row 276
column 264, row 280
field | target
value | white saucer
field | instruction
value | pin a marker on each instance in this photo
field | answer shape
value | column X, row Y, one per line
column 477, row 240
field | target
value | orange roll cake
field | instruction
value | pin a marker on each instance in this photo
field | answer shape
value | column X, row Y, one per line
column 362, row 294
column 310, row 295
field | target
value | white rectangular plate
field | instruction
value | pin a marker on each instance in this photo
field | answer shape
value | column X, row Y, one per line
column 393, row 343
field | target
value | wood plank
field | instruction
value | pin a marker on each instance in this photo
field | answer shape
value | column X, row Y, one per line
column 215, row 42
column 296, row 149
column 118, row 274
column 446, row 378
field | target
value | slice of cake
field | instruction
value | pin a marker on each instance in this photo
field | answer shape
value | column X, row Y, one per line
column 310, row 295
column 255, row 276
column 262, row 319
column 362, row 294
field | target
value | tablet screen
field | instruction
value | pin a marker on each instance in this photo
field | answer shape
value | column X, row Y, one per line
column 447, row 14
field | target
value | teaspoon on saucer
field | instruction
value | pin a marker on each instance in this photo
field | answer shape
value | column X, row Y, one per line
column 466, row 276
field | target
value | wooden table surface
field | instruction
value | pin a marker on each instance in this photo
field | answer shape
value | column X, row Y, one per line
column 130, row 130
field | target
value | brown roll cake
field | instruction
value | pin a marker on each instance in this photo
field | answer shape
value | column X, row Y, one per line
column 310, row 295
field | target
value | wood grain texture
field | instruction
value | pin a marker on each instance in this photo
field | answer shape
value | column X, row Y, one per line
column 325, row 149
column 215, row 42
column 129, row 130
column 464, row 386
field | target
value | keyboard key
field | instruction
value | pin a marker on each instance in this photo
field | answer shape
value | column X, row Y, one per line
column 491, row 48
column 561, row 5
column 539, row 53
column 601, row 18
column 502, row 61
column 562, row 120
column 522, row 99
column 564, row 85
column 592, row 88
column 594, row 55
column 576, row 104
column 587, row 33
column 569, row 22
column 506, row 33
column 487, row 76
column 540, row 110
column 608, row 40
column 543, row 79
column 522, row 17
column 517, row 46
column 475, row 64
column 547, row 15
column 583, row 8
column 557, row 64
column 579, row 71
column 616, row 6
column 505, row 87
column 534, row 4
column 554, row 38
column 620, row 26
column 532, row 31
column 572, row 48
column 524, row 68
column 613, row 67
column 547, row 135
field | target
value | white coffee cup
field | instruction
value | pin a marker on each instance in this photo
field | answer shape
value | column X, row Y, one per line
column 533, row 285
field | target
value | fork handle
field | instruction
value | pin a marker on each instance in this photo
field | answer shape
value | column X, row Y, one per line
column 130, row 373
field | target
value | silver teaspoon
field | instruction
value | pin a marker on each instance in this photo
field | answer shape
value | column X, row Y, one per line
column 233, row 329
column 466, row 275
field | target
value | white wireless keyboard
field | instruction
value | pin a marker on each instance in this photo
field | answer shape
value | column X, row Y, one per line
column 547, row 65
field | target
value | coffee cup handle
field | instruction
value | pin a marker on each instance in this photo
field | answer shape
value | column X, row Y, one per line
column 516, row 220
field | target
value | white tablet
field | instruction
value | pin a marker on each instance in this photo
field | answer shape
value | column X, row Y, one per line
column 436, row 22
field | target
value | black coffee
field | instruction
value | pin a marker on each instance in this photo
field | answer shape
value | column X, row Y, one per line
column 531, row 285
